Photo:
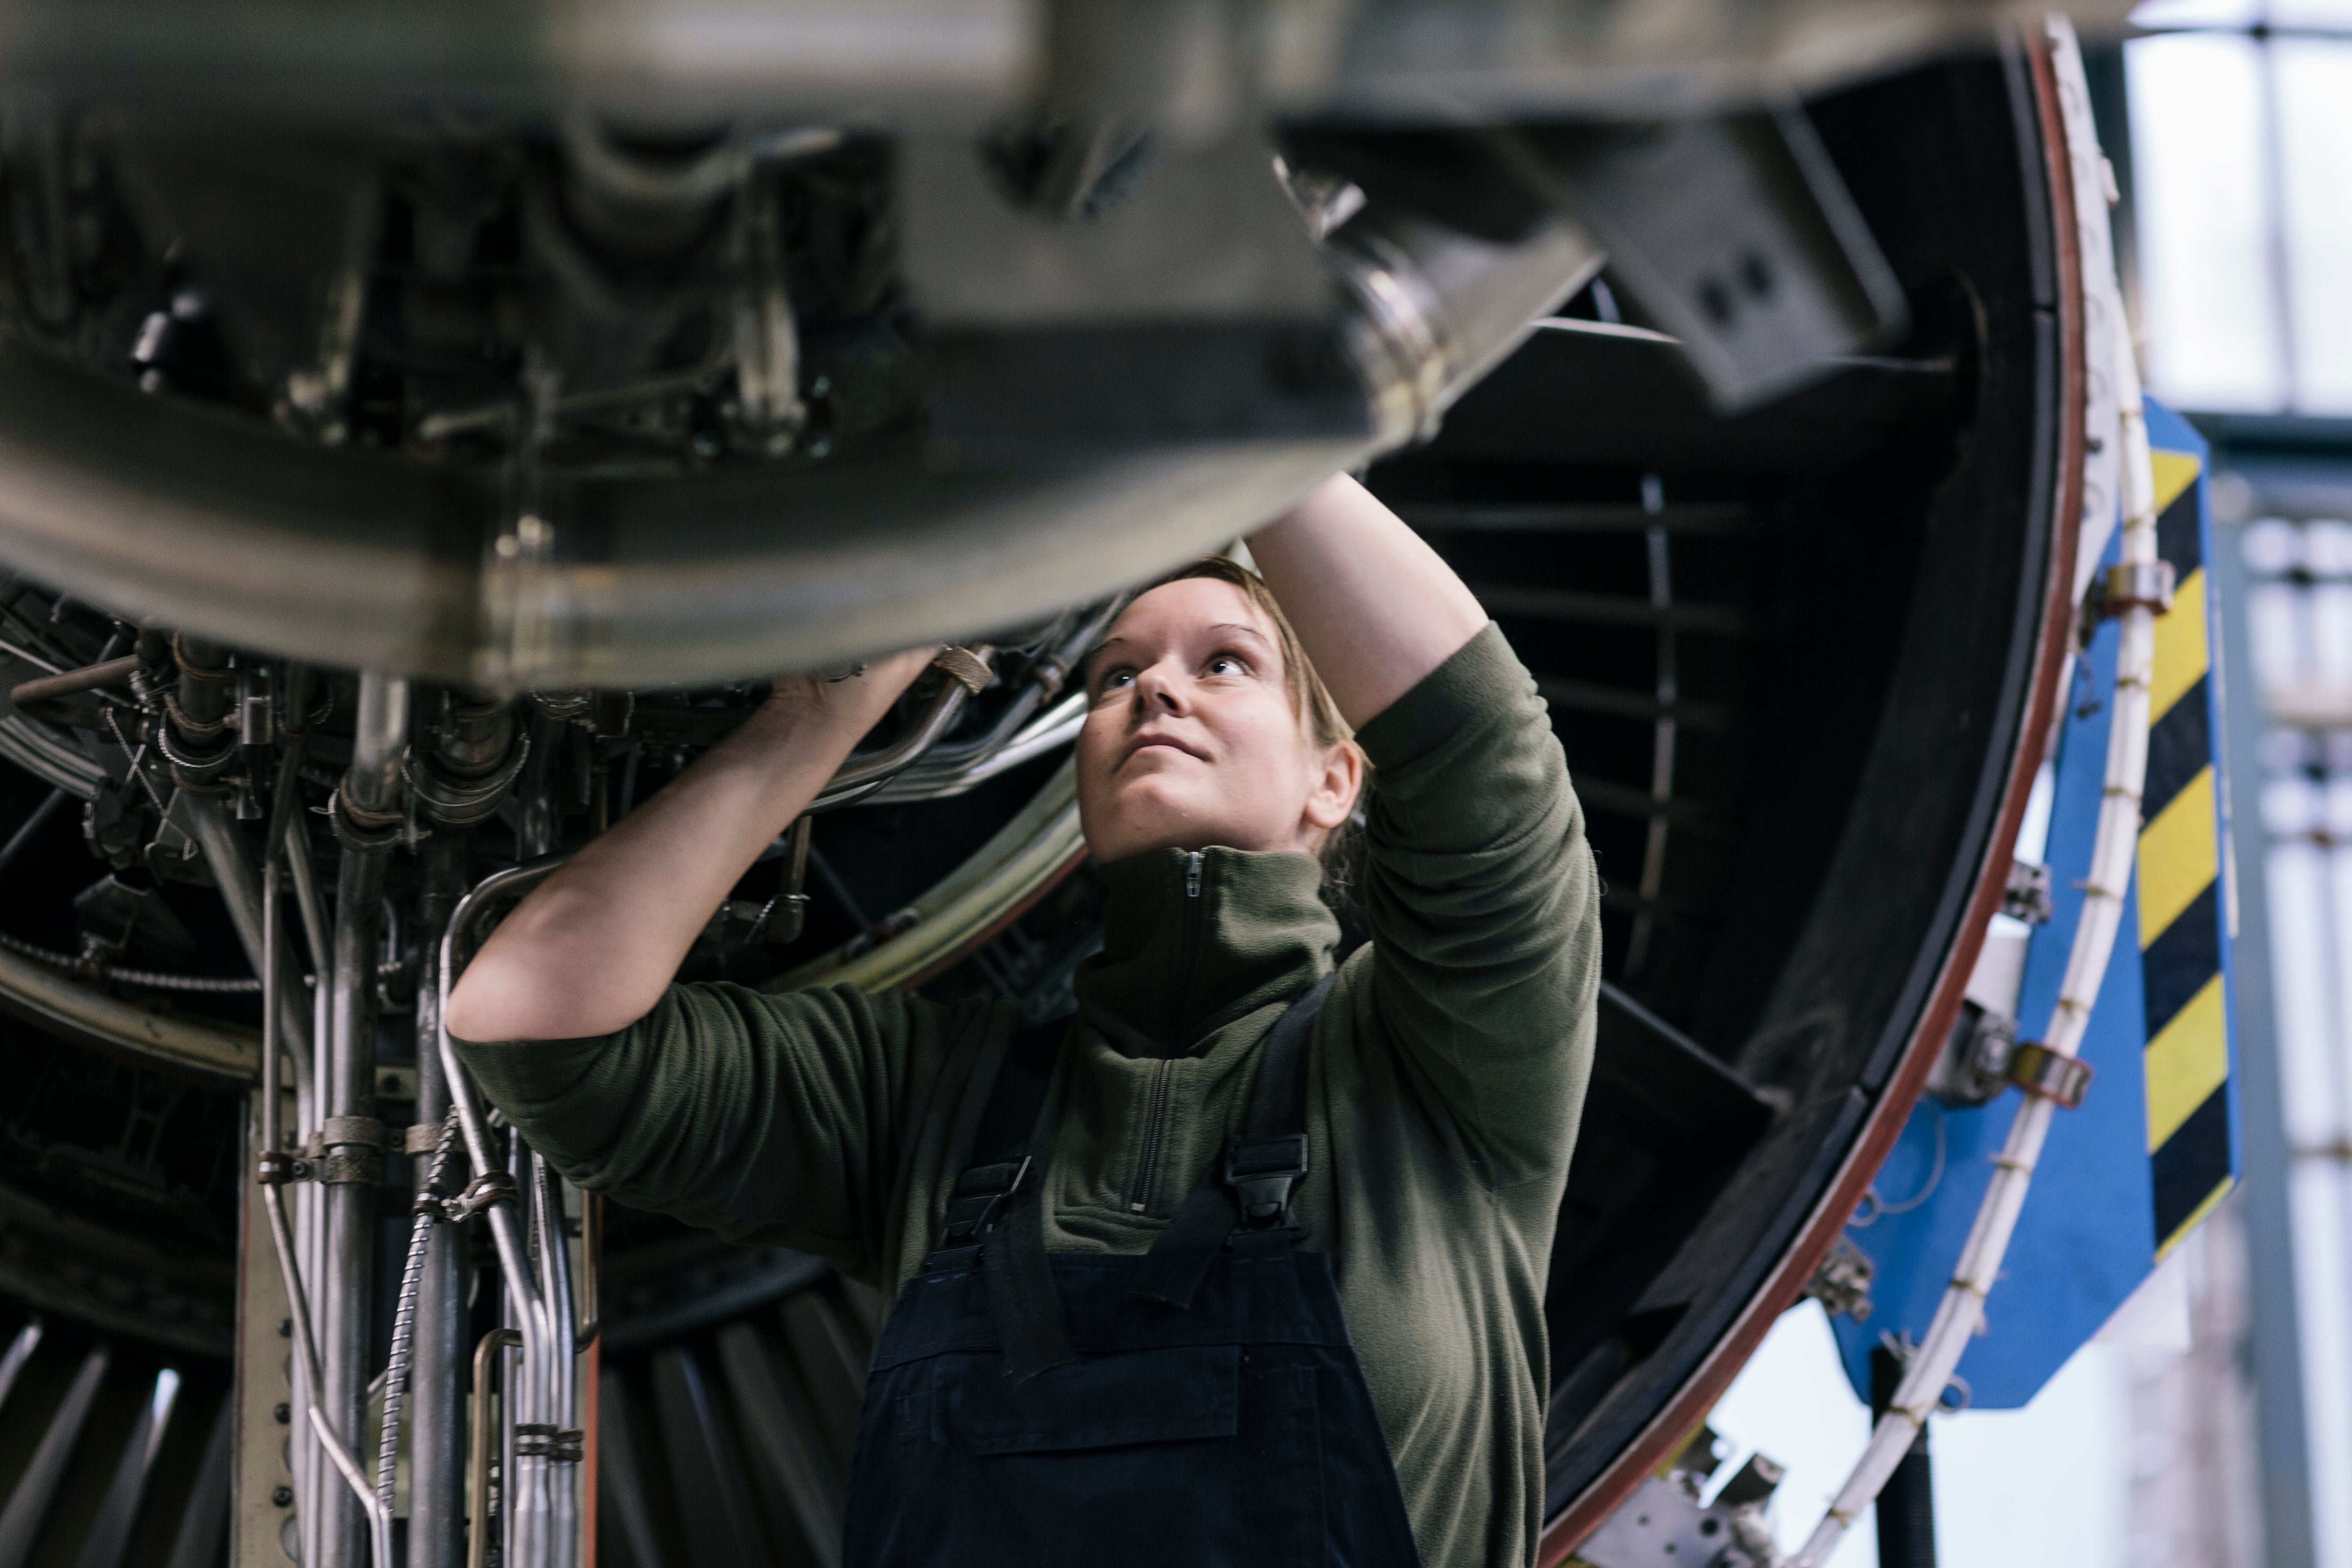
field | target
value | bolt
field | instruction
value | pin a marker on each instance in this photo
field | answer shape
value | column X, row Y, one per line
column 283, row 1497
column 284, row 1414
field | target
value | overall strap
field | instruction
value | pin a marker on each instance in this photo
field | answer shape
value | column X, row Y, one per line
column 984, row 1208
column 1000, row 1145
column 1250, row 1189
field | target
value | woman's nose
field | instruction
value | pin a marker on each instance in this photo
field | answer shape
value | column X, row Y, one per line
column 1158, row 689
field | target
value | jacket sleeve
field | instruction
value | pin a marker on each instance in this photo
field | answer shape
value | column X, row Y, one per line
column 1485, row 911
column 779, row 1119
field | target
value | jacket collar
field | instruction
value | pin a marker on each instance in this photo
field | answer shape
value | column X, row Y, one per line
column 1193, row 940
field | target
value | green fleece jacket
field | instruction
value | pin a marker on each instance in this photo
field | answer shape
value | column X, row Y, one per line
column 1447, row 1075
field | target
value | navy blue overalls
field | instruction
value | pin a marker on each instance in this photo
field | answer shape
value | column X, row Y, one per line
column 1198, row 1406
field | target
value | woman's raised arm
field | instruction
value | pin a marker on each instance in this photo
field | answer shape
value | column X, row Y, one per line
column 1375, row 607
column 592, row 949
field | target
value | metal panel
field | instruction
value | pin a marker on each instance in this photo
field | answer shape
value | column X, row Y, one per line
column 264, row 1360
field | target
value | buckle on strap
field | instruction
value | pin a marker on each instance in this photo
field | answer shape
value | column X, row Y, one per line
column 979, row 1198
column 1262, row 1172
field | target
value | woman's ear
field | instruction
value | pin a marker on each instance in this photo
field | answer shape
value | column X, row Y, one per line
column 1336, row 781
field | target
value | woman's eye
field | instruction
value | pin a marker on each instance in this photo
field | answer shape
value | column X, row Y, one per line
column 1225, row 664
column 1118, row 679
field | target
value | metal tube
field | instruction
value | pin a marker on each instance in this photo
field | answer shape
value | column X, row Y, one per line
column 562, row 1316
column 901, row 752
column 478, row 1473
column 345, row 1293
column 240, row 889
column 526, row 1489
column 32, row 824
column 309, row 901
column 379, row 1517
column 1057, row 726
column 88, row 678
column 272, row 1134
column 346, row 1286
column 378, row 738
column 437, row 1456
column 506, row 1230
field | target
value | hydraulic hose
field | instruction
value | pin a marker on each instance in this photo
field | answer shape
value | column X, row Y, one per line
column 1930, row 1367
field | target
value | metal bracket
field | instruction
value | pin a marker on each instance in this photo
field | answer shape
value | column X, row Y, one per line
column 1661, row 1525
column 558, row 1445
column 2037, row 1069
column 361, row 828
column 489, row 1187
column 2027, row 896
column 350, row 1131
column 1841, row 1283
column 1977, row 1058
column 1739, row 237
column 361, row 1168
column 2134, row 585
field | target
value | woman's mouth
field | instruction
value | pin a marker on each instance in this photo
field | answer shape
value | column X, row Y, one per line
column 1159, row 742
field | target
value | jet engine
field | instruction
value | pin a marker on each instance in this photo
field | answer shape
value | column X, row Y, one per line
column 423, row 433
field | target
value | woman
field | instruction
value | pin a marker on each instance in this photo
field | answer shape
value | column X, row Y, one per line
column 1143, row 1345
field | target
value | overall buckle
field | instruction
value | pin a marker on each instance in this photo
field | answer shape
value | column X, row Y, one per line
column 1262, row 1173
column 980, row 1197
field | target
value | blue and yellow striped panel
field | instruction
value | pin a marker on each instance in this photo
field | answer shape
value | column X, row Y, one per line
column 2183, row 912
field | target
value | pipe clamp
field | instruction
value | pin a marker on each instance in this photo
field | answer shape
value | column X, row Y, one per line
column 2038, row 1069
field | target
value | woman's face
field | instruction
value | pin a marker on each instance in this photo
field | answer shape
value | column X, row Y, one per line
column 1192, row 739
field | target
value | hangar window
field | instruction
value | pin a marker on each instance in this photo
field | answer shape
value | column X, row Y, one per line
column 2242, row 142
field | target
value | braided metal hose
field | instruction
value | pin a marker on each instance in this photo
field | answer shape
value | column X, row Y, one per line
column 153, row 980
column 429, row 1199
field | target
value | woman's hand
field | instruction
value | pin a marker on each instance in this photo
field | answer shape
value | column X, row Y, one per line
column 592, row 949
column 805, row 699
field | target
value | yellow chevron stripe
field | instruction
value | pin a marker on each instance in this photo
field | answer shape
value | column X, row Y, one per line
column 2177, row 856
column 2196, row 1217
column 2175, row 472
column 2181, row 658
column 2186, row 1063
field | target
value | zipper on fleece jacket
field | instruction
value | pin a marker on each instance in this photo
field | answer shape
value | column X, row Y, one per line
column 1156, row 1104
column 1155, row 1135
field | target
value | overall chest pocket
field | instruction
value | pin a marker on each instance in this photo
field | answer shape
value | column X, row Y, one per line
column 1182, row 1394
